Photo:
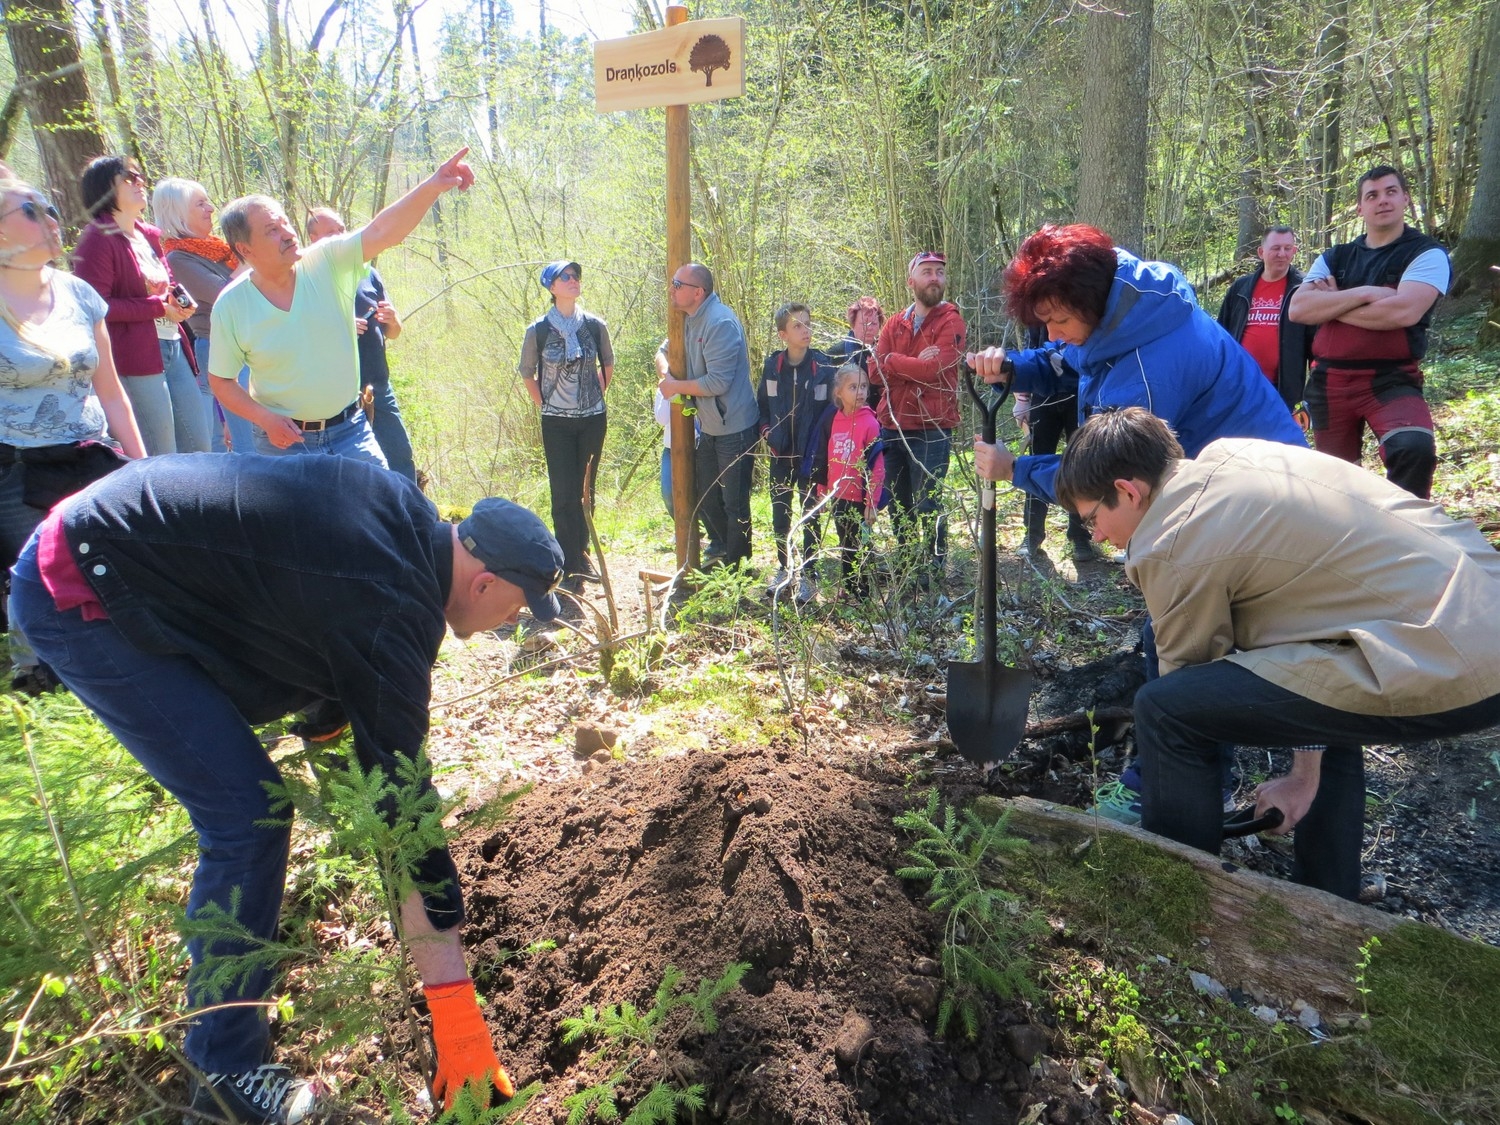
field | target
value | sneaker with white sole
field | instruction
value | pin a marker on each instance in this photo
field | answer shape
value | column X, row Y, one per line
column 1116, row 801
column 267, row 1095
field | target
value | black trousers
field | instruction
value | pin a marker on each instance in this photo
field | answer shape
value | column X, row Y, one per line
column 1181, row 719
column 1051, row 420
column 849, row 520
column 572, row 447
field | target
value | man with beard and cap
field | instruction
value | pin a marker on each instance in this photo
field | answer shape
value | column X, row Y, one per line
column 916, row 366
column 291, row 321
column 185, row 599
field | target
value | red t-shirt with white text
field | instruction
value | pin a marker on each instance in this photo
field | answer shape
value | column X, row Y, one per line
column 1262, row 337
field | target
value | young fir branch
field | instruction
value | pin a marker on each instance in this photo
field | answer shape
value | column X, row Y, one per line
column 986, row 931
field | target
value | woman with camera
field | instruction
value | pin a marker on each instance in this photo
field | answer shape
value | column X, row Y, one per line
column 121, row 257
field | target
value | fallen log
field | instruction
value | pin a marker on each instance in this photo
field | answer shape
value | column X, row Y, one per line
column 1277, row 941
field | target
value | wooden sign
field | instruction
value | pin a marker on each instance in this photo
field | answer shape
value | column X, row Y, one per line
column 697, row 61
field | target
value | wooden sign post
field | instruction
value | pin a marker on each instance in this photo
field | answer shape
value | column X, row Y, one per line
column 685, row 63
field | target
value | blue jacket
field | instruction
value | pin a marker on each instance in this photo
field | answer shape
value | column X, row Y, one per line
column 791, row 400
column 1157, row 349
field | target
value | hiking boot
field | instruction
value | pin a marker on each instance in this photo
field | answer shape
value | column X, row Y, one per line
column 36, row 681
column 777, row 580
column 806, row 591
column 267, row 1095
column 1029, row 548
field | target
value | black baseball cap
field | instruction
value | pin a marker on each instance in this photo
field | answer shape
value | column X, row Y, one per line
column 514, row 544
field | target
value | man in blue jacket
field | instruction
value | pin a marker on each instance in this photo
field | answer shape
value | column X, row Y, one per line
column 1133, row 331
column 184, row 599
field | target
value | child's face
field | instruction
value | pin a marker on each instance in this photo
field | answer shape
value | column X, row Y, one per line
column 798, row 331
column 853, row 392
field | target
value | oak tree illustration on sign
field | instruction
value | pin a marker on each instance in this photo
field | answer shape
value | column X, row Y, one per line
column 709, row 54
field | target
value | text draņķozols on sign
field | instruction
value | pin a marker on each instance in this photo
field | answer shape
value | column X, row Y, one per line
column 697, row 61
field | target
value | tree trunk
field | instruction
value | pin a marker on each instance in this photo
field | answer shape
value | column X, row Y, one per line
column 1333, row 44
column 140, row 75
column 424, row 129
column 1479, row 245
column 58, row 100
column 112, row 79
column 1116, row 89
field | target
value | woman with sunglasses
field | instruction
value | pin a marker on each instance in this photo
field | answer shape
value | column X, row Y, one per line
column 54, row 361
column 567, row 361
column 121, row 257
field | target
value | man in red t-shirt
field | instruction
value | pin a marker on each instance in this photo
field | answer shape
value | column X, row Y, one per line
column 1254, row 313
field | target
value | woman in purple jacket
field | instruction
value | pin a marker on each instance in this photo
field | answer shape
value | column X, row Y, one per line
column 121, row 257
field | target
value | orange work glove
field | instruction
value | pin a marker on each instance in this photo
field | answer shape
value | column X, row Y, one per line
column 462, row 1041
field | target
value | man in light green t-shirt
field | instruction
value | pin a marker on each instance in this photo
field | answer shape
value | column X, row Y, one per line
column 290, row 319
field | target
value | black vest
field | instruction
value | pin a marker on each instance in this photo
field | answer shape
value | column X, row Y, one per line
column 1354, row 263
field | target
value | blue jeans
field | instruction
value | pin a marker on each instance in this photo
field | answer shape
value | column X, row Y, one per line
column 1182, row 718
column 168, row 407
column 916, row 464
column 352, row 438
column 390, row 433
column 173, row 719
column 666, row 481
column 723, row 466
column 240, row 436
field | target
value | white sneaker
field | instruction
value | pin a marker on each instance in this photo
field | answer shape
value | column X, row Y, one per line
column 778, row 580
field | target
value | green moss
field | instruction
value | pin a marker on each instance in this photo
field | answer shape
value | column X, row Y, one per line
column 1433, row 1006
column 1270, row 924
column 1131, row 890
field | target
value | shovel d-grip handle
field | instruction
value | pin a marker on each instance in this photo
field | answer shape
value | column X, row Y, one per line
column 1244, row 822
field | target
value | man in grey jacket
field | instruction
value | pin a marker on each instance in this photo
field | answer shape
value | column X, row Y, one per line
column 718, row 377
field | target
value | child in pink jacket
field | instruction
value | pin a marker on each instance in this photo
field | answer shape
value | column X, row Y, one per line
column 856, row 473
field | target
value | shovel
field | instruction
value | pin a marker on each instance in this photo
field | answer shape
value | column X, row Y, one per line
column 987, row 701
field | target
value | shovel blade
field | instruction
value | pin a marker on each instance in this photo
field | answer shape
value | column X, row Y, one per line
column 987, row 709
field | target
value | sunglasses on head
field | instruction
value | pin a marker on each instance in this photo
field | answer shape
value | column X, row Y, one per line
column 34, row 209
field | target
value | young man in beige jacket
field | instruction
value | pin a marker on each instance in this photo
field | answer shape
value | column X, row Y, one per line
column 1298, row 601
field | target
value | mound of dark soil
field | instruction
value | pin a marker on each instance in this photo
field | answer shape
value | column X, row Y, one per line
column 764, row 856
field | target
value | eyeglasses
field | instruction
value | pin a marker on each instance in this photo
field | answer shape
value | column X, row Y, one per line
column 567, row 275
column 133, row 176
column 677, row 284
column 1088, row 520
column 34, row 209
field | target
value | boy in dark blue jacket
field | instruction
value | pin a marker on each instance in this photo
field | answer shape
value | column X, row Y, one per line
column 795, row 386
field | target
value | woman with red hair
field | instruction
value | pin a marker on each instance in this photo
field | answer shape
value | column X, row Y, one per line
column 1133, row 331
column 1135, row 335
